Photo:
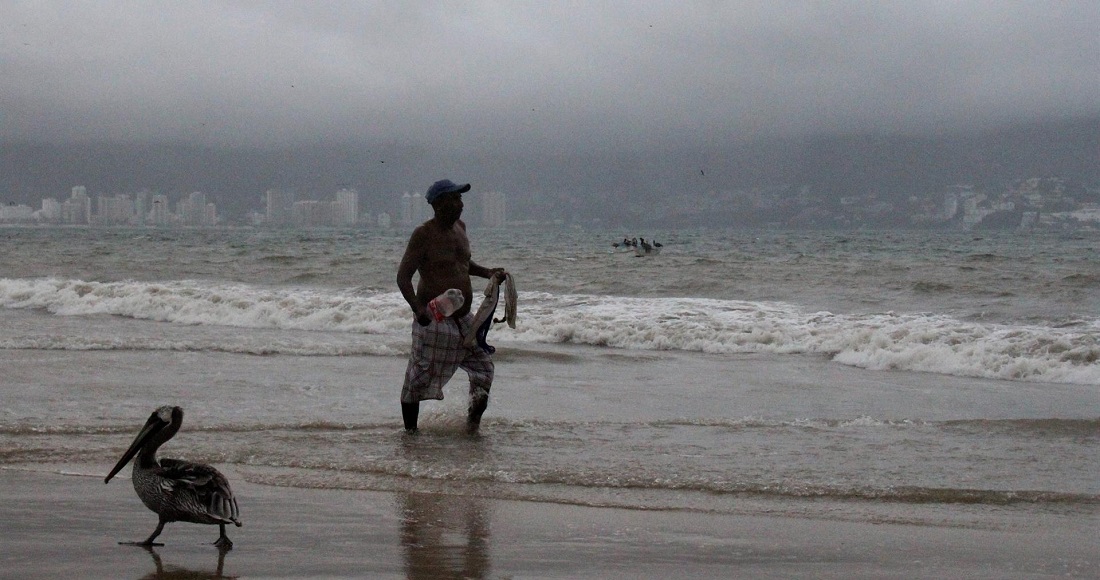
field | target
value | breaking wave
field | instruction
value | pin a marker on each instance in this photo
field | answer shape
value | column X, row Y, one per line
column 924, row 342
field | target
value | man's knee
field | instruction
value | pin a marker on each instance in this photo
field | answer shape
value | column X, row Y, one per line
column 479, row 397
column 479, row 401
column 480, row 383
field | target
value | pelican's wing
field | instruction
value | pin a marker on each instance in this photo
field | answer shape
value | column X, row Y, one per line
column 205, row 490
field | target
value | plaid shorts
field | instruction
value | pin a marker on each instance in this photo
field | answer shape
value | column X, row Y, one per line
column 437, row 351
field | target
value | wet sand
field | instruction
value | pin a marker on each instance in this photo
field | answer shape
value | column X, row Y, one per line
column 58, row 525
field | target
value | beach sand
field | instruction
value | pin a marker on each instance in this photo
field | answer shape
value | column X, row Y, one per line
column 58, row 525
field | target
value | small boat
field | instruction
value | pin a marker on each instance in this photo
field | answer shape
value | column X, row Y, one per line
column 645, row 248
column 625, row 245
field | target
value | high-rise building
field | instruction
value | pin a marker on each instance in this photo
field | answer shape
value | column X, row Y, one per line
column 312, row 213
column 280, row 205
column 141, row 207
column 78, row 208
column 159, row 215
column 494, row 209
column 192, row 210
column 420, row 209
column 346, row 208
column 114, row 211
column 51, row 210
column 406, row 209
column 414, row 210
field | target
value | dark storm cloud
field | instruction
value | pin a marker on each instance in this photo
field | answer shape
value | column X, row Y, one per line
column 538, row 75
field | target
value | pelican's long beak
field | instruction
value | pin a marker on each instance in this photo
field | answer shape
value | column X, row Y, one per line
column 152, row 426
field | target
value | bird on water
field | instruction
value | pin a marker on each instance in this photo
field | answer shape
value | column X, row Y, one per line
column 177, row 490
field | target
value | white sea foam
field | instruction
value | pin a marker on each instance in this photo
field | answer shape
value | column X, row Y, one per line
column 904, row 341
column 240, row 345
column 203, row 303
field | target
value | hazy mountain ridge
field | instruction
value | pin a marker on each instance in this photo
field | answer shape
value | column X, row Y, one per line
column 614, row 186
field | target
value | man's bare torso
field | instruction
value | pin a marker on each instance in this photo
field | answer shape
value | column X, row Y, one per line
column 442, row 258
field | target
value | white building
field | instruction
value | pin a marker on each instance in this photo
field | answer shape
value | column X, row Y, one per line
column 196, row 211
column 113, row 211
column 1088, row 213
column 345, row 210
column 421, row 211
column 406, row 209
column 16, row 213
column 280, row 205
column 78, row 208
column 141, row 207
column 414, row 210
column 51, row 211
column 950, row 207
column 494, row 209
column 158, row 214
column 312, row 214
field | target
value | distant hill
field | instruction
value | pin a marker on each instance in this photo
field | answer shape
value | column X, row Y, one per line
column 573, row 185
column 895, row 166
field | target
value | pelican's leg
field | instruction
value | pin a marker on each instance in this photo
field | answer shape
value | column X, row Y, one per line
column 223, row 540
column 149, row 541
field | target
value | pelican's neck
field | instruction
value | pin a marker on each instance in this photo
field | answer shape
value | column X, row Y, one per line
column 147, row 457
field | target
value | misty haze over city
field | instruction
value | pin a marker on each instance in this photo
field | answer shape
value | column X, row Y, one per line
column 677, row 114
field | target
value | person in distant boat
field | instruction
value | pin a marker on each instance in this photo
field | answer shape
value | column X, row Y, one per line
column 439, row 251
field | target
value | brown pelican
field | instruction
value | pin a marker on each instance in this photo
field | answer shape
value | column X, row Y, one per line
column 177, row 490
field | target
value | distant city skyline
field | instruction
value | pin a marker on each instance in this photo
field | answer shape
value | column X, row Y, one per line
column 1027, row 204
column 281, row 209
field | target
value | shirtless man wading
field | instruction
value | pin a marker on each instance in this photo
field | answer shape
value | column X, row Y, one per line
column 440, row 252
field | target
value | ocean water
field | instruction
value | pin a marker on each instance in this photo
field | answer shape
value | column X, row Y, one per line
column 732, row 372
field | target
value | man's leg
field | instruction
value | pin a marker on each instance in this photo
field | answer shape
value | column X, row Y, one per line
column 480, row 367
column 479, row 401
column 409, row 412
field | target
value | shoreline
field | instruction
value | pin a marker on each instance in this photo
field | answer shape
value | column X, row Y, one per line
column 57, row 525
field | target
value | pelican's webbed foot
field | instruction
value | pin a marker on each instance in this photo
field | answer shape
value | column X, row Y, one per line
column 223, row 541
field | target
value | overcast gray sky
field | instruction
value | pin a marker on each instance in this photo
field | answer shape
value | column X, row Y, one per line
column 480, row 75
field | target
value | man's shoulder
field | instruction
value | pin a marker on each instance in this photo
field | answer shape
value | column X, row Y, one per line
column 423, row 230
column 431, row 229
column 428, row 234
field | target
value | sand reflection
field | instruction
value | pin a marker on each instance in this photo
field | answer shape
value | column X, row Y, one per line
column 444, row 536
column 170, row 572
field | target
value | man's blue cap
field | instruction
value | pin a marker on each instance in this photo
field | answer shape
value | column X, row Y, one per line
column 443, row 187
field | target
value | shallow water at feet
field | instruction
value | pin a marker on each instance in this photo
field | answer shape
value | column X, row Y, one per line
column 729, row 369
